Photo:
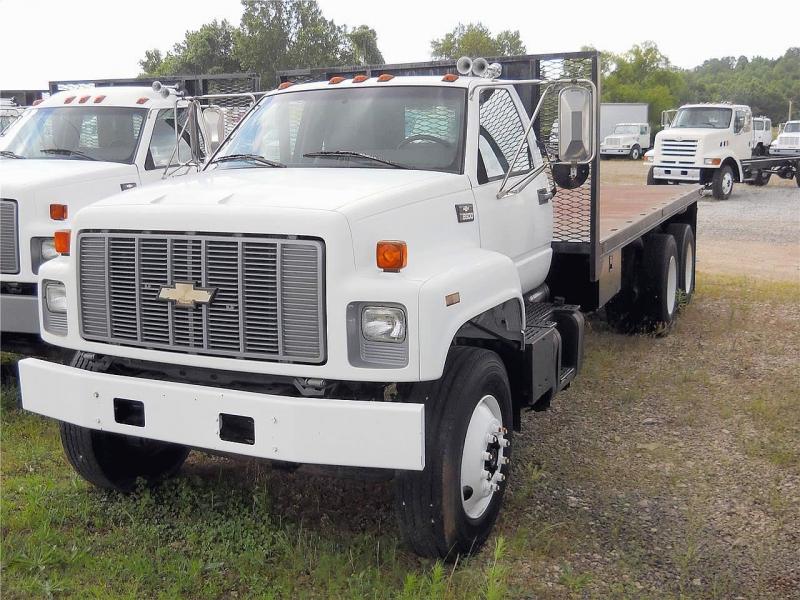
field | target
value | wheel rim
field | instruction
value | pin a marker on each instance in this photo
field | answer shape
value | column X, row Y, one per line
column 672, row 284
column 727, row 183
column 688, row 272
column 482, row 457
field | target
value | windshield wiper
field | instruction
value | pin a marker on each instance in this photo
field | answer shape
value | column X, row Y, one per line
column 10, row 154
column 251, row 157
column 66, row 152
column 352, row 154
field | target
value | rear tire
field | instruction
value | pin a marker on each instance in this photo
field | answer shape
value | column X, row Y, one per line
column 684, row 241
column 722, row 183
column 440, row 514
column 659, row 276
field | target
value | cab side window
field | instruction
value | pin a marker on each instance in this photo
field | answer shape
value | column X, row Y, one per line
column 758, row 125
column 742, row 122
column 643, row 130
column 501, row 131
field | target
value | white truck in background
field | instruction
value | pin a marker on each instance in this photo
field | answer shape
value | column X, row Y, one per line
column 788, row 140
column 630, row 140
column 373, row 271
column 69, row 151
column 713, row 144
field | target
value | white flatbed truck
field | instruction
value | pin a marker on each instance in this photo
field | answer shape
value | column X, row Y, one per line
column 374, row 270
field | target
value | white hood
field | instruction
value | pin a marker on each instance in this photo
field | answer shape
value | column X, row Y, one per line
column 25, row 174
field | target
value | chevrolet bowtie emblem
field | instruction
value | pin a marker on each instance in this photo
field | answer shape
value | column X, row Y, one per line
column 185, row 295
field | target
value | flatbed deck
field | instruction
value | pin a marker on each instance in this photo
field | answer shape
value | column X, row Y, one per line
column 629, row 211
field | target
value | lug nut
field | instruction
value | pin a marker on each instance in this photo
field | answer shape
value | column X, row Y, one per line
column 500, row 477
column 485, row 474
column 487, row 456
column 494, row 487
column 505, row 460
column 504, row 443
column 491, row 439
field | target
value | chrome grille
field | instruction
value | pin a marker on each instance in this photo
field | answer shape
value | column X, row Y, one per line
column 268, row 301
column 679, row 148
column 613, row 142
column 9, row 245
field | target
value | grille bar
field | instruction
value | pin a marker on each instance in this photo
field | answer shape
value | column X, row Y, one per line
column 268, row 301
column 9, row 239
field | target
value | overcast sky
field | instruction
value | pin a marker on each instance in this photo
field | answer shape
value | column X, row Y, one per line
column 45, row 40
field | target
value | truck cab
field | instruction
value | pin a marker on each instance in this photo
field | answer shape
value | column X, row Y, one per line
column 787, row 143
column 762, row 135
column 68, row 151
column 630, row 140
column 704, row 144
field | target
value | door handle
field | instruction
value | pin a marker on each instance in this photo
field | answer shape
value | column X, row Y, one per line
column 545, row 196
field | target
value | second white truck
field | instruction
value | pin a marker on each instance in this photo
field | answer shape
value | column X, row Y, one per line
column 630, row 140
column 714, row 145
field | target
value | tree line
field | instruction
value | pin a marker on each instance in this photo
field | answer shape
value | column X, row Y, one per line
column 274, row 35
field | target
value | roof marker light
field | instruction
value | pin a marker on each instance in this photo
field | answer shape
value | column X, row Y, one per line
column 83, row 99
column 37, row 102
column 99, row 99
column 360, row 78
column 142, row 100
column 336, row 79
column 69, row 99
column 450, row 77
column 285, row 85
column 385, row 77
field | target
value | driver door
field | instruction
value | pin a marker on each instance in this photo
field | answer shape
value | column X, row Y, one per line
column 517, row 225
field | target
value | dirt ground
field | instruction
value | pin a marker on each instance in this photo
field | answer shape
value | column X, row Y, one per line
column 755, row 233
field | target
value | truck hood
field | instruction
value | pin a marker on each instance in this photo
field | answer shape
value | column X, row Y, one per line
column 20, row 175
column 290, row 188
column 690, row 133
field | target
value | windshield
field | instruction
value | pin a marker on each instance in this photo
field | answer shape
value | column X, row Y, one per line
column 792, row 127
column 406, row 127
column 79, row 133
column 703, row 117
column 630, row 129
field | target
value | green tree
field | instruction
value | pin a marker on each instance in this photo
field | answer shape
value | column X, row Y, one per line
column 207, row 50
column 476, row 40
column 364, row 46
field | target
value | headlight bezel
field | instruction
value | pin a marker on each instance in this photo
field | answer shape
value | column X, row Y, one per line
column 57, row 304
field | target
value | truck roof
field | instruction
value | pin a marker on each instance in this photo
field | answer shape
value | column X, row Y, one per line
column 715, row 105
column 460, row 81
column 109, row 96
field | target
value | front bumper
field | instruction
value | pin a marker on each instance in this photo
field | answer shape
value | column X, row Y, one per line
column 614, row 150
column 19, row 313
column 304, row 430
column 784, row 151
column 676, row 173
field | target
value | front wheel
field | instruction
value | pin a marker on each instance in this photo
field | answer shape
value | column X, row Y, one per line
column 722, row 183
column 450, row 507
column 651, row 180
column 636, row 153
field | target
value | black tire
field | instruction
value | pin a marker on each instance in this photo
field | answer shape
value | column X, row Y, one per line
column 651, row 180
column 722, row 183
column 428, row 503
column 114, row 461
column 636, row 153
column 761, row 178
column 561, row 175
column 687, row 255
column 659, row 264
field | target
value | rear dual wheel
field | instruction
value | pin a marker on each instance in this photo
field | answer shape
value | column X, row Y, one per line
column 449, row 508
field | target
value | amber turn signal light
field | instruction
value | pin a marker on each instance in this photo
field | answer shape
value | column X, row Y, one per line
column 392, row 255
column 58, row 212
column 61, row 241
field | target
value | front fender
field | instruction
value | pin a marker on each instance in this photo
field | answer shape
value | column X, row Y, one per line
column 482, row 279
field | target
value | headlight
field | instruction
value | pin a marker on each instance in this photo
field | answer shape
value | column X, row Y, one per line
column 55, row 297
column 48, row 249
column 383, row 324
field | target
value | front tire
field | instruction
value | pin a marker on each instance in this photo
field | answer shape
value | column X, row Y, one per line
column 651, row 180
column 113, row 461
column 722, row 183
column 450, row 507
column 636, row 153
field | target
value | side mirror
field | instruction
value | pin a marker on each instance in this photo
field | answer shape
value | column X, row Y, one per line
column 214, row 120
column 575, row 125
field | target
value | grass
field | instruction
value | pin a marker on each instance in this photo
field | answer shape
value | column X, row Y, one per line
column 669, row 470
